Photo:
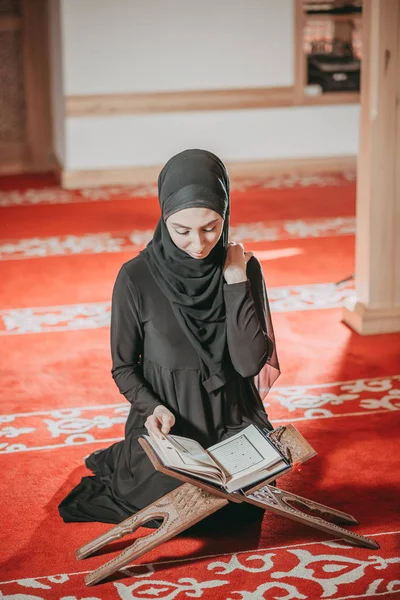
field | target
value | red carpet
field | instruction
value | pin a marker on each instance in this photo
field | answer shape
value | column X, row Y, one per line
column 59, row 255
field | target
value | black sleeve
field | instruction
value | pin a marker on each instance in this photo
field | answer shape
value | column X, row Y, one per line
column 248, row 341
column 127, row 346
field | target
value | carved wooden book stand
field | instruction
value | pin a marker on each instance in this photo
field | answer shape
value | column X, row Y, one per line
column 195, row 500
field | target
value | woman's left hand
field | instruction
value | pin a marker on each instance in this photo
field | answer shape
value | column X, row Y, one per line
column 236, row 262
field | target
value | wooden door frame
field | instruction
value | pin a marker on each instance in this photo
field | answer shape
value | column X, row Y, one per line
column 35, row 19
column 35, row 153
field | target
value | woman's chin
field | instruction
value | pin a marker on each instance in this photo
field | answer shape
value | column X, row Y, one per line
column 198, row 255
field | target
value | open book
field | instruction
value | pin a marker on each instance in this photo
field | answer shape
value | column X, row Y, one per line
column 241, row 460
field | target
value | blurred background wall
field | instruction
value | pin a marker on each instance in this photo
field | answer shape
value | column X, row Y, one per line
column 105, row 91
column 122, row 48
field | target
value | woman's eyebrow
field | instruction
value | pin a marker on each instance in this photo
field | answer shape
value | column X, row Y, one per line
column 186, row 227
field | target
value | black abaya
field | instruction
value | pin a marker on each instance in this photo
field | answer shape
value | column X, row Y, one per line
column 154, row 363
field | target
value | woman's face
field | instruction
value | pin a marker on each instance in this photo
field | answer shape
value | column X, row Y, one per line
column 195, row 230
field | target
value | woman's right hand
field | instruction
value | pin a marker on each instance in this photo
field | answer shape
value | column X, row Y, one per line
column 160, row 422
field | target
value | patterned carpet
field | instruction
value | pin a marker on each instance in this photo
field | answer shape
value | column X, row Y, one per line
column 59, row 254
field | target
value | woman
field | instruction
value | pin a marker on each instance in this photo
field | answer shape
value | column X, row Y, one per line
column 191, row 335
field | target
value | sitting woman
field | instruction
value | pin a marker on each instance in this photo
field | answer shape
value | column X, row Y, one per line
column 192, row 341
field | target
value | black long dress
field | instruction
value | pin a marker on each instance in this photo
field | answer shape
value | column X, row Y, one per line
column 154, row 363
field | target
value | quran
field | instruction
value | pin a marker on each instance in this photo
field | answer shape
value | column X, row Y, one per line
column 242, row 460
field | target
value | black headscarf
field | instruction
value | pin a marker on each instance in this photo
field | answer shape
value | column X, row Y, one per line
column 194, row 178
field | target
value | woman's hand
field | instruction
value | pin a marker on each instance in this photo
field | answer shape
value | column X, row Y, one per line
column 160, row 422
column 235, row 264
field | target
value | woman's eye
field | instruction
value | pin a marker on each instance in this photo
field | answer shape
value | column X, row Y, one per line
column 209, row 230
column 181, row 232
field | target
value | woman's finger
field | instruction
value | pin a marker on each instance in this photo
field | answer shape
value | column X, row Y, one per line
column 247, row 256
column 149, row 424
column 153, row 425
column 167, row 421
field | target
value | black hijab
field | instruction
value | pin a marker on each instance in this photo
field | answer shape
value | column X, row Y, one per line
column 194, row 178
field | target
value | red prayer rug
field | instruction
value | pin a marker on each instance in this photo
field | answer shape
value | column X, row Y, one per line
column 60, row 252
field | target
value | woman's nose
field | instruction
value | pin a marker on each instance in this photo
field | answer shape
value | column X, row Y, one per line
column 198, row 244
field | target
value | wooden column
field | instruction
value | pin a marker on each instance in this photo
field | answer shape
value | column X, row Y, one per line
column 37, row 84
column 376, row 305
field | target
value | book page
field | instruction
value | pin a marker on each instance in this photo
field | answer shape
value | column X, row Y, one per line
column 190, row 450
column 182, row 452
column 251, row 478
column 246, row 451
column 237, row 455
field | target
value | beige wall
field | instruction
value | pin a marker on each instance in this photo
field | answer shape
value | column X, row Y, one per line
column 161, row 45
column 56, row 81
column 140, row 46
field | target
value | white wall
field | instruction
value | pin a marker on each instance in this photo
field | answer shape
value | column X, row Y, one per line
column 126, row 140
column 116, row 46
column 113, row 46
column 56, row 81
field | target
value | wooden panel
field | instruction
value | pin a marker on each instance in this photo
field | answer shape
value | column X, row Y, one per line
column 13, row 158
column 13, row 148
column 331, row 98
column 376, row 306
column 396, row 159
column 364, row 161
column 300, row 76
column 201, row 100
column 12, row 93
column 117, row 104
column 380, row 119
column 37, row 85
column 335, row 18
column 10, row 23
